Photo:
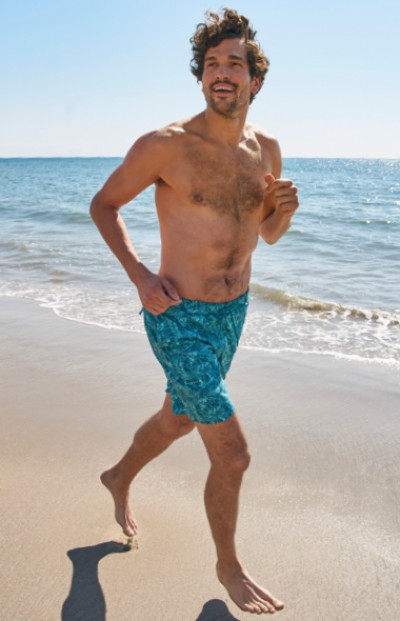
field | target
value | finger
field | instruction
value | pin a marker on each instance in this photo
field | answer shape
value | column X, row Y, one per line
column 156, row 310
column 170, row 290
column 286, row 182
column 287, row 207
column 280, row 185
column 271, row 187
column 286, row 197
column 285, row 189
column 269, row 178
column 159, row 306
column 154, row 301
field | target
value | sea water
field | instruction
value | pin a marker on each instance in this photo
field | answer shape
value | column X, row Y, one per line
column 330, row 286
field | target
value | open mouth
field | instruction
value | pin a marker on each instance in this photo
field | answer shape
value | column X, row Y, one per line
column 223, row 89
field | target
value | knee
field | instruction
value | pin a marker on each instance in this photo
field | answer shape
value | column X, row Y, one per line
column 175, row 425
column 234, row 463
column 240, row 461
column 185, row 425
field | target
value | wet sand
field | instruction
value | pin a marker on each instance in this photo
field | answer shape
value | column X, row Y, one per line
column 320, row 507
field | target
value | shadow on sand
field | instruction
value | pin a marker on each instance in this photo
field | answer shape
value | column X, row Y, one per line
column 85, row 600
column 216, row 610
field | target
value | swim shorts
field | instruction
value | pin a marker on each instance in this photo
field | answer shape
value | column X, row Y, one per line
column 195, row 343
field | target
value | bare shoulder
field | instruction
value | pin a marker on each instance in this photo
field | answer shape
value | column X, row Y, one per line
column 154, row 142
column 144, row 164
column 270, row 148
column 161, row 143
column 266, row 141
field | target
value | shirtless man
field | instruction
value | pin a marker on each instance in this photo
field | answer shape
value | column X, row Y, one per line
column 218, row 187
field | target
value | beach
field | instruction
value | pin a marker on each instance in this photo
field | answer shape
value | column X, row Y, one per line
column 319, row 524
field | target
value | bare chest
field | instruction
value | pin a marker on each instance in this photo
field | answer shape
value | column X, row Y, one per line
column 228, row 184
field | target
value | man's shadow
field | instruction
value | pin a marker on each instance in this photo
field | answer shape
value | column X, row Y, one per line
column 216, row 610
column 85, row 600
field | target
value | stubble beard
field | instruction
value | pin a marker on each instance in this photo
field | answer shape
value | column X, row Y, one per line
column 224, row 108
column 228, row 109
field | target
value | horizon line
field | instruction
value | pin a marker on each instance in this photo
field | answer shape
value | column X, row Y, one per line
column 287, row 157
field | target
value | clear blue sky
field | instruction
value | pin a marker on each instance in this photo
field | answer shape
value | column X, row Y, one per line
column 87, row 77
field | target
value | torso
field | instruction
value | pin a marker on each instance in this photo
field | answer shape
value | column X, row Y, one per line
column 209, row 200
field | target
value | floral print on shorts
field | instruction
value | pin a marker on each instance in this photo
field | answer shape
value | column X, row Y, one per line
column 195, row 343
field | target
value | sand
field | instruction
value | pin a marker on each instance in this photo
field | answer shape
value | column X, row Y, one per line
column 320, row 507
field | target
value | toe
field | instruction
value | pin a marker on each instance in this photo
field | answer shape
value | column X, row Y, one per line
column 267, row 597
column 265, row 607
column 128, row 531
column 251, row 607
column 278, row 604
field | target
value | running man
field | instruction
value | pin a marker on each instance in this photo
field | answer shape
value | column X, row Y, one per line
column 218, row 187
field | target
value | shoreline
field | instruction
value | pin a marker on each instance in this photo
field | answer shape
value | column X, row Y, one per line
column 319, row 519
column 391, row 364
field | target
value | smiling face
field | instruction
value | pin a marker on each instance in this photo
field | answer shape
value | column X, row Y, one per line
column 227, row 84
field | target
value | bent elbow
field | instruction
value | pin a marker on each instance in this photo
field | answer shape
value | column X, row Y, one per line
column 94, row 208
column 98, row 208
column 268, row 238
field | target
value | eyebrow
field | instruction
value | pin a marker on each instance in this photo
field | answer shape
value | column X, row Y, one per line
column 230, row 57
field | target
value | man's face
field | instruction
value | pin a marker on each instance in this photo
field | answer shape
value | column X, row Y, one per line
column 226, row 80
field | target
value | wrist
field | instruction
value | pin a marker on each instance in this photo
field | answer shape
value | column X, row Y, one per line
column 137, row 272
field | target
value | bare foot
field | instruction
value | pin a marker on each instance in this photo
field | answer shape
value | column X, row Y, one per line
column 119, row 493
column 246, row 593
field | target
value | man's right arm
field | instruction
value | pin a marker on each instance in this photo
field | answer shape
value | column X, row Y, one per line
column 141, row 168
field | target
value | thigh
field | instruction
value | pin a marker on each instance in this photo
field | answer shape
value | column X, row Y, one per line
column 225, row 442
column 173, row 423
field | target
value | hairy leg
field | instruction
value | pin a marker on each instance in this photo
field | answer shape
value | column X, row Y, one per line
column 150, row 440
column 229, row 456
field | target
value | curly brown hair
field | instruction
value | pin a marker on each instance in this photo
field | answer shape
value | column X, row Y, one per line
column 227, row 25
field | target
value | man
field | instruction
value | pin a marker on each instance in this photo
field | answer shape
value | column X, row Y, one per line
column 218, row 187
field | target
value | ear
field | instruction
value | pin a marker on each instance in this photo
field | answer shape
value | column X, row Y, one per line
column 255, row 84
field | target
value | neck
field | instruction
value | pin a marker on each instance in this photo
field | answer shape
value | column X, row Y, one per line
column 226, row 129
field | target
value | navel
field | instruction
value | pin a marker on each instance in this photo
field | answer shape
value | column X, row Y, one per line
column 228, row 281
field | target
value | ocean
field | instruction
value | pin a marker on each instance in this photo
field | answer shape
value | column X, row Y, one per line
column 329, row 287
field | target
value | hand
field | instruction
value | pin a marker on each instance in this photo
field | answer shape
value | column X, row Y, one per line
column 157, row 294
column 283, row 194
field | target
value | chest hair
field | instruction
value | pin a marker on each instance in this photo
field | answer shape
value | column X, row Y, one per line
column 228, row 184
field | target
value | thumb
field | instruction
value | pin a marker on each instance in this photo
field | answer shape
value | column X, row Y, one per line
column 170, row 290
column 269, row 178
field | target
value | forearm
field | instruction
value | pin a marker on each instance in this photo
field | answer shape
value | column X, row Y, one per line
column 114, row 232
column 275, row 226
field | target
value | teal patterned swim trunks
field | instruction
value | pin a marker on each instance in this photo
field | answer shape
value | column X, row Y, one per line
column 195, row 343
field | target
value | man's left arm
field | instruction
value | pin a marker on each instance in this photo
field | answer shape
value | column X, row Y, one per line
column 280, row 201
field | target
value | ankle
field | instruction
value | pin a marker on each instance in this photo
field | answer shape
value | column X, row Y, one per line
column 113, row 477
column 228, row 567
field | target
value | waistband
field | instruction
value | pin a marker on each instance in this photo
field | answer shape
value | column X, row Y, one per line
column 237, row 302
column 197, row 306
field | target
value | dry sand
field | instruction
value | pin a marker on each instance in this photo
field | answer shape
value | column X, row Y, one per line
column 319, row 523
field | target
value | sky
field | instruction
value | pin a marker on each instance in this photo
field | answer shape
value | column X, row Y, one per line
column 88, row 77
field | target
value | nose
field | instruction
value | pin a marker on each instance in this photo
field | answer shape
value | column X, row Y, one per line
column 222, row 72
